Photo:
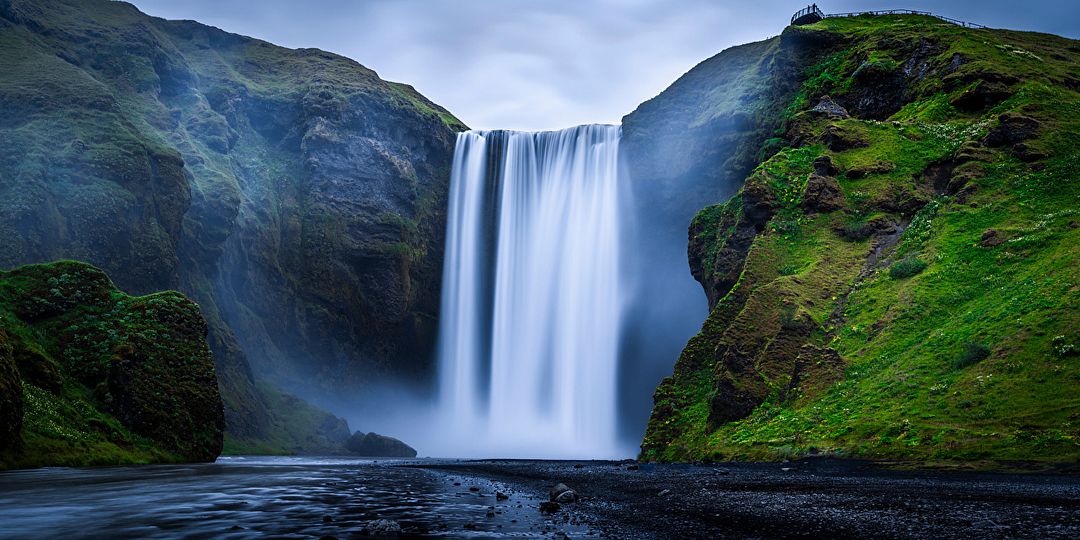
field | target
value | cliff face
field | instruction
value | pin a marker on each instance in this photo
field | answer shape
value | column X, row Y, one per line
column 896, row 276
column 292, row 193
column 689, row 146
column 698, row 139
column 92, row 376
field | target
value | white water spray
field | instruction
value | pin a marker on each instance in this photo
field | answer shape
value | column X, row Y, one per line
column 530, row 315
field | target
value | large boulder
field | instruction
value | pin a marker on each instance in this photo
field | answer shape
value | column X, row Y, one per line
column 822, row 194
column 375, row 445
column 561, row 493
column 828, row 107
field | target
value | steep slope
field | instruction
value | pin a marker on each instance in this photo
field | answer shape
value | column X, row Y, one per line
column 92, row 376
column 292, row 193
column 691, row 145
column 897, row 277
column 699, row 138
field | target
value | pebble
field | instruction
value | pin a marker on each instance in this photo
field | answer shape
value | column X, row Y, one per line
column 384, row 527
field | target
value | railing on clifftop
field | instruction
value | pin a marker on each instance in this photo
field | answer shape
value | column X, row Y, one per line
column 808, row 13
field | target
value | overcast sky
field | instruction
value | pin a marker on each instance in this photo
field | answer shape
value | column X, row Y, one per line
column 549, row 64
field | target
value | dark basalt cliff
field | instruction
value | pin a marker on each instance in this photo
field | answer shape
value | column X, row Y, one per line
column 92, row 376
column 895, row 278
column 295, row 195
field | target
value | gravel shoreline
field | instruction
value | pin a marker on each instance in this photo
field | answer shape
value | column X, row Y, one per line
column 805, row 499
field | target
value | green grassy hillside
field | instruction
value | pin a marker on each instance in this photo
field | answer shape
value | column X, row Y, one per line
column 897, row 278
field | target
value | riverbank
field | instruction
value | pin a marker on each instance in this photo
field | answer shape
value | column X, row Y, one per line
column 338, row 497
column 808, row 499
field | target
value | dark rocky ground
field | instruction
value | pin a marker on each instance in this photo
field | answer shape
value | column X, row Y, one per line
column 809, row 499
column 337, row 497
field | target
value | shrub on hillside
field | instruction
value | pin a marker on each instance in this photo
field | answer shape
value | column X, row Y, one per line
column 974, row 352
column 906, row 268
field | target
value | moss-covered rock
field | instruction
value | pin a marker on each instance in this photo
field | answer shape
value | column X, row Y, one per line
column 136, row 380
column 11, row 397
column 941, row 213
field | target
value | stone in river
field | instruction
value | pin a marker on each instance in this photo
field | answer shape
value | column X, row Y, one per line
column 562, row 493
column 384, row 528
column 549, row 507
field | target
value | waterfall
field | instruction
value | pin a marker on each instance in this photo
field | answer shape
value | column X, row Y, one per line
column 529, row 329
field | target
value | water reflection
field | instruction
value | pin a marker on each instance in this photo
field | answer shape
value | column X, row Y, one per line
column 242, row 497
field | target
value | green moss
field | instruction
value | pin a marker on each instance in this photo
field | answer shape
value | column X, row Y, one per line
column 425, row 106
column 136, row 381
column 828, row 75
column 922, row 380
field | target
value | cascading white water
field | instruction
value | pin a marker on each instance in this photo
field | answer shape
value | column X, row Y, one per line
column 530, row 315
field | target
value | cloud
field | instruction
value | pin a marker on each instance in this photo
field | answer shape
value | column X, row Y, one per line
column 520, row 64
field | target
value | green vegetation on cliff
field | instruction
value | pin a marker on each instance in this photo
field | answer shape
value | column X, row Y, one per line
column 92, row 376
column 295, row 195
column 897, row 278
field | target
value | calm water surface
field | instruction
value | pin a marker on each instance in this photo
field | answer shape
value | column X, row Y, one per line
column 243, row 497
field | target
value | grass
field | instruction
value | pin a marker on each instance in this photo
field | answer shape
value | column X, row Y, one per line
column 106, row 378
column 952, row 350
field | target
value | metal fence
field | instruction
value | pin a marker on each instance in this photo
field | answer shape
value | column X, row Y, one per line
column 814, row 9
column 807, row 11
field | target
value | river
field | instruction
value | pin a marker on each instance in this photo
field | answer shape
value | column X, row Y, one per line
column 245, row 497
column 286, row 497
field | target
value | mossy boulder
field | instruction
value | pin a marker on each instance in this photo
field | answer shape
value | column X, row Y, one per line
column 136, row 376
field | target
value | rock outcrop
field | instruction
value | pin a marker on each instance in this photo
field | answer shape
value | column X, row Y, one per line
column 92, row 376
column 375, row 445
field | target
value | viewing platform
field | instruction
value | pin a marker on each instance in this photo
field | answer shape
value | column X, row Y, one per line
column 812, row 14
